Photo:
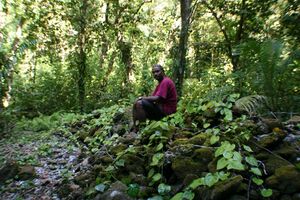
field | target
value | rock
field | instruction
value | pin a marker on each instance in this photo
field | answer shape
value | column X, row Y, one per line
column 285, row 197
column 117, row 191
column 146, row 192
column 204, row 155
column 118, row 149
column 138, row 178
column 294, row 120
column 288, row 151
column 26, row 173
column 272, row 123
column 128, row 138
column 70, row 190
column 222, row 190
column 296, row 196
column 286, row 179
column 198, row 139
column 182, row 166
column 133, row 164
column 237, row 197
column 225, row 188
column 273, row 162
column 9, row 171
column 268, row 140
column 119, row 129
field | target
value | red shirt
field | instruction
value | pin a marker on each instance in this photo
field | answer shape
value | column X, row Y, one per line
column 167, row 91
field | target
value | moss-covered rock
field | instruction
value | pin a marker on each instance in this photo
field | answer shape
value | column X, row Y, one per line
column 182, row 166
column 273, row 163
column 268, row 140
column 8, row 171
column 286, row 179
column 198, row 139
column 222, row 190
column 204, row 155
column 133, row 163
column 119, row 148
column 26, row 172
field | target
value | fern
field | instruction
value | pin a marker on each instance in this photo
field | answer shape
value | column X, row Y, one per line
column 251, row 103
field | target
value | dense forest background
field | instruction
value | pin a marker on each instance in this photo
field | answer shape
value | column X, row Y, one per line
column 80, row 55
column 71, row 69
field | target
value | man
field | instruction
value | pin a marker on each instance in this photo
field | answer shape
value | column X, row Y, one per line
column 161, row 103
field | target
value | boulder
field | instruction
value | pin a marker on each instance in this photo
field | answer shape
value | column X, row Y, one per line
column 183, row 166
column 117, row 191
column 286, row 179
column 9, row 171
column 26, row 172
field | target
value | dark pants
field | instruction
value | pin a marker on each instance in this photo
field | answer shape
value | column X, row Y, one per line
column 153, row 111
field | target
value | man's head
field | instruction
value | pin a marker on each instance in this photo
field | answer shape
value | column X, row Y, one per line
column 158, row 72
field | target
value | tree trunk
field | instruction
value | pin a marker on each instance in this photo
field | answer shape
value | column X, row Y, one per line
column 81, row 65
column 185, row 9
column 11, row 65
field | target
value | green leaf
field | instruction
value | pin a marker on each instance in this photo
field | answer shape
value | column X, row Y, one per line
column 110, row 168
column 247, row 148
column 210, row 179
column 237, row 156
column 178, row 196
column 223, row 162
column 266, row 192
column 159, row 147
column 101, row 187
column 151, row 173
column 235, row 164
column 133, row 190
column 257, row 181
column 156, row 159
column 156, row 198
column 163, row 189
column 156, row 177
column 206, row 125
column 188, row 195
column 120, row 163
column 223, row 176
column 214, row 139
column 228, row 114
column 251, row 160
column 197, row 182
column 256, row 171
column 227, row 154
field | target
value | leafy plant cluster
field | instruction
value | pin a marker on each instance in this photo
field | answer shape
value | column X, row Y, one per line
column 226, row 134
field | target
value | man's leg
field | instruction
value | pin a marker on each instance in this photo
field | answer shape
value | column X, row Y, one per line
column 138, row 114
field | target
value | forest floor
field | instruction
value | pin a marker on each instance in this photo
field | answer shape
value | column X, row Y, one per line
column 40, row 159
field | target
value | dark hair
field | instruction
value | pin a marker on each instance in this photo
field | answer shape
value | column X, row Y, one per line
column 160, row 67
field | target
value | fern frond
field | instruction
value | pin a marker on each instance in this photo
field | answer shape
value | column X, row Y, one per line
column 251, row 103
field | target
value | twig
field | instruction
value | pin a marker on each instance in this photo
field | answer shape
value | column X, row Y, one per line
column 271, row 152
column 248, row 191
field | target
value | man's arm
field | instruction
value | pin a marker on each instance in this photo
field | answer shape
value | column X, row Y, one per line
column 151, row 98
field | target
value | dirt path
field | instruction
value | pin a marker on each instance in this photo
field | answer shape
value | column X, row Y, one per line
column 53, row 158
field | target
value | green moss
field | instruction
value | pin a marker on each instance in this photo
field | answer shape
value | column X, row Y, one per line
column 198, row 139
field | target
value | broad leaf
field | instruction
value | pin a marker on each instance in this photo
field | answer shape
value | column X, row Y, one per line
column 214, row 139
column 247, row 148
column 222, row 163
column 196, row 183
column 163, row 189
column 266, row 192
column 257, row 181
column 234, row 164
column 100, row 187
column 251, row 160
column 256, row 171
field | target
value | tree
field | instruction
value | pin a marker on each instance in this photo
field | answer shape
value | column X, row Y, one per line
column 180, row 66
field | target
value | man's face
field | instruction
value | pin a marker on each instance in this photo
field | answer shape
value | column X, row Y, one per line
column 157, row 73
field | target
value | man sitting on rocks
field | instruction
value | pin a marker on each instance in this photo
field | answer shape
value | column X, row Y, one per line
column 161, row 103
